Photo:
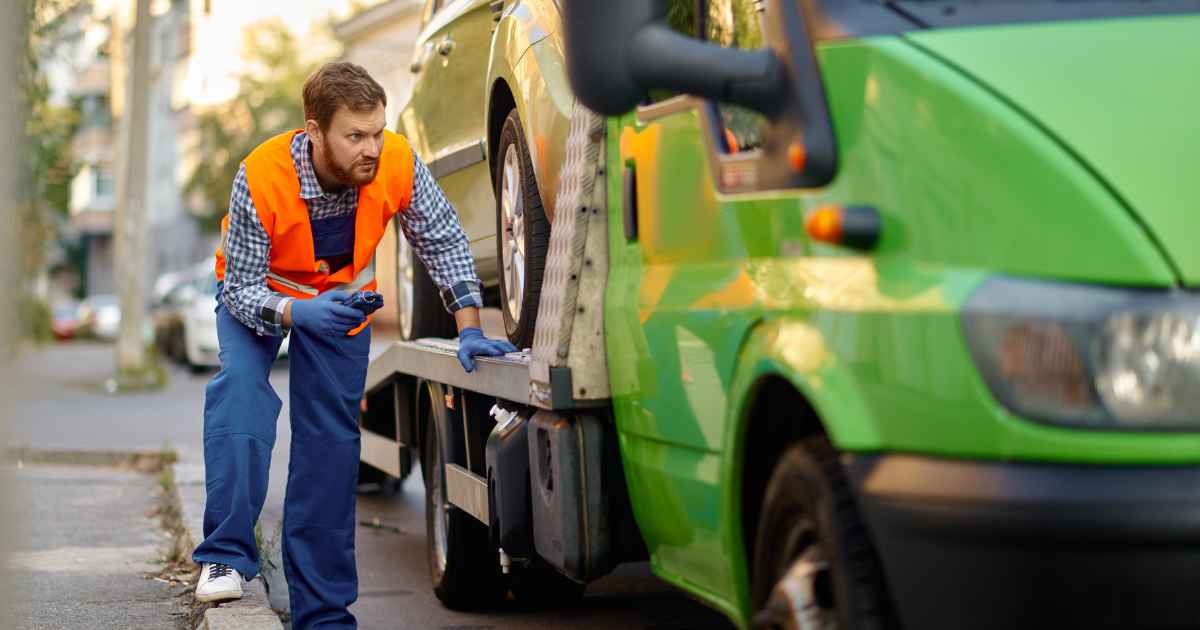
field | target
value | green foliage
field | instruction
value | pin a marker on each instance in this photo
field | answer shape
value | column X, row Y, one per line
column 268, row 102
column 35, row 320
column 48, row 165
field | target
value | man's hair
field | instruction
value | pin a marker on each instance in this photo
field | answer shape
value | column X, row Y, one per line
column 340, row 83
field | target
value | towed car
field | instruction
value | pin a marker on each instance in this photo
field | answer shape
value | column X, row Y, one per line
column 488, row 114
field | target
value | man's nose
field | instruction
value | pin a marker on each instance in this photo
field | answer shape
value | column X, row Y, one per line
column 373, row 149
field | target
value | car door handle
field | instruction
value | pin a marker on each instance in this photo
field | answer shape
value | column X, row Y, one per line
column 446, row 47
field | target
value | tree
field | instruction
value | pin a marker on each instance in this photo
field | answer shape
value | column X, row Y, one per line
column 49, row 129
column 268, row 102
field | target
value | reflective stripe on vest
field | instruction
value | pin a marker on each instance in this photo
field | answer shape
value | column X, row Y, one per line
column 364, row 277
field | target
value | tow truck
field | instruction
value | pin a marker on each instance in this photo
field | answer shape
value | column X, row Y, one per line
column 861, row 317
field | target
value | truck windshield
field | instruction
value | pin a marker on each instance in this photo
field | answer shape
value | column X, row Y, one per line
column 947, row 14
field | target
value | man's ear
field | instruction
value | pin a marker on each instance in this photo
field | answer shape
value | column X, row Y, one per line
column 313, row 130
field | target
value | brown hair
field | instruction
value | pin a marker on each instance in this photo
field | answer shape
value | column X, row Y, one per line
column 340, row 83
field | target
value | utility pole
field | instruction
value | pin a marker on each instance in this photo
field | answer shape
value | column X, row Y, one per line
column 133, row 369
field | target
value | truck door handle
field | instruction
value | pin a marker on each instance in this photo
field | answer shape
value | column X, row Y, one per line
column 446, row 47
column 630, row 204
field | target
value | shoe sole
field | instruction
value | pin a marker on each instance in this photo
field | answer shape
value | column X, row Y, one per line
column 219, row 596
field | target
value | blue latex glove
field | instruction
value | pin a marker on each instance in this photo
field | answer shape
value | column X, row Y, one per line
column 326, row 315
column 472, row 343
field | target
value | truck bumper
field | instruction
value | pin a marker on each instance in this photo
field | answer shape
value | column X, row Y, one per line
column 1014, row 545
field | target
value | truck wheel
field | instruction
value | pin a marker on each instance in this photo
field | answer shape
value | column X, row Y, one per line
column 538, row 585
column 814, row 564
column 419, row 309
column 522, row 233
column 463, row 565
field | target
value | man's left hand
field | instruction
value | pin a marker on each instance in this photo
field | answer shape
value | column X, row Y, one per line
column 472, row 343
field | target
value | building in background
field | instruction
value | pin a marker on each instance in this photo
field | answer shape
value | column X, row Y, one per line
column 381, row 39
column 197, row 54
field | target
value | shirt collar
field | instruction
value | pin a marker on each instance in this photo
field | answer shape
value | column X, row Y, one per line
column 310, row 186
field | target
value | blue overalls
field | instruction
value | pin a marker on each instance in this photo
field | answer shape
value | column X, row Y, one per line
column 327, row 376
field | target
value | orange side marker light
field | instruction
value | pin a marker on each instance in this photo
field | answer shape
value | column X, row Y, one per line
column 857, row 227
column 825, row 224
column 797, row 156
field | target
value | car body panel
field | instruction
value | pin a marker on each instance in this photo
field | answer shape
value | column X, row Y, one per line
column 1149, row 145
column 719, row 292
column 448, row 128
column 528, row 59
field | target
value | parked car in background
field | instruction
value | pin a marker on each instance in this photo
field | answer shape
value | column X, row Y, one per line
column 489, row 115
column 100, row 316
column 176, row 292
column 64, row 319
column 185, row 322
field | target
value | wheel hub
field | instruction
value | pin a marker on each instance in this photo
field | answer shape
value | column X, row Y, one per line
column 512, row 232
column 802, row 599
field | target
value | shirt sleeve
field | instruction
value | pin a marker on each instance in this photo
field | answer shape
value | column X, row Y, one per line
column 431, row 226
column 247, row 257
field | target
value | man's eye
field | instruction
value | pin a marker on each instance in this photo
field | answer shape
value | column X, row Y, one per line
column 355, row 137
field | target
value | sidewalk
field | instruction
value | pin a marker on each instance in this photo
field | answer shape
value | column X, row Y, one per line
column 85, row 550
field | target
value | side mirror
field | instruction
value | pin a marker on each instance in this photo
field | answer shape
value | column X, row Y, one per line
column 618, row 50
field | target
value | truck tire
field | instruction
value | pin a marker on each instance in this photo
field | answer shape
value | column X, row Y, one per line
column 463, row 566
column 419, row 309
column 522, row 233
column 812, row 553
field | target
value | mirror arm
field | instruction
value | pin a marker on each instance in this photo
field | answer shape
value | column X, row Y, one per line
column 755, row 79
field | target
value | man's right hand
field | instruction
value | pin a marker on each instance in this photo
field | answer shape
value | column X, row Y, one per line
column 324, row 314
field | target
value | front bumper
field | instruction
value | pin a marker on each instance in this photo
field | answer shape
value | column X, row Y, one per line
column 968, row 544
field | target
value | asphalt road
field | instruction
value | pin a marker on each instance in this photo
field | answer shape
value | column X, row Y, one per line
column 59, row 402
column 67, row 573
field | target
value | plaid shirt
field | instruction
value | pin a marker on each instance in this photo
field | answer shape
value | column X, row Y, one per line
column 429, row 223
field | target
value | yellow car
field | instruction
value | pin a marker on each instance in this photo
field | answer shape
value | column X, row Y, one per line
column 488, row 114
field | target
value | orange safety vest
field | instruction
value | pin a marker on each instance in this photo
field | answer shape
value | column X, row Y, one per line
column 275, row 189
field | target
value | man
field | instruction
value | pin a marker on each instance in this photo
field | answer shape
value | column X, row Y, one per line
column 307, row 211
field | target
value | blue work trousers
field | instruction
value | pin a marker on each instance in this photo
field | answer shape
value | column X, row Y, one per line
column 327, row 376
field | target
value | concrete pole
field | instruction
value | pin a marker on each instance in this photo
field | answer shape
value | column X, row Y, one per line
column 14, row 44
column 131, row 233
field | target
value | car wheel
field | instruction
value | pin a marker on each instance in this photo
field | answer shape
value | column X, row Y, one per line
column 464, row 567
column 522, row 233
column 814, row 564
column 419, row 309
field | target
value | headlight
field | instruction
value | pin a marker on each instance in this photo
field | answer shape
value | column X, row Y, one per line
column 1092, row 356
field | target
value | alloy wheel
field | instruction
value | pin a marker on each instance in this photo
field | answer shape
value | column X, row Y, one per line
column 512, row 232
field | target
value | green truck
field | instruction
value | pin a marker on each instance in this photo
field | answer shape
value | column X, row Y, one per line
column 856, row 314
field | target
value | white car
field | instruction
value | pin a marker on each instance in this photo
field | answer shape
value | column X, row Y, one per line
column 100, row 316
column 200, row 324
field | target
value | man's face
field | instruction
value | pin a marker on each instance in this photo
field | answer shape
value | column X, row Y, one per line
column 351, row 145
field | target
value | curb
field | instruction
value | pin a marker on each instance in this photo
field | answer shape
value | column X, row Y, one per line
column 253, row 610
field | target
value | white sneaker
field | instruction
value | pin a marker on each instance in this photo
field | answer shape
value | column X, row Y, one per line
column 218, row 582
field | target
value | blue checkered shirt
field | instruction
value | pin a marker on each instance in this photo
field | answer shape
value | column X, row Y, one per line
column 429, row 223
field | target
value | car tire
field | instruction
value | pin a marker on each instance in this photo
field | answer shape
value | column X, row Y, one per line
column 814, row 563
column 419, row 309
column 522, row 233
column 464, row 567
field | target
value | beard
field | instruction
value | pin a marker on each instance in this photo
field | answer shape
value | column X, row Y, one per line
column 356, row 173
